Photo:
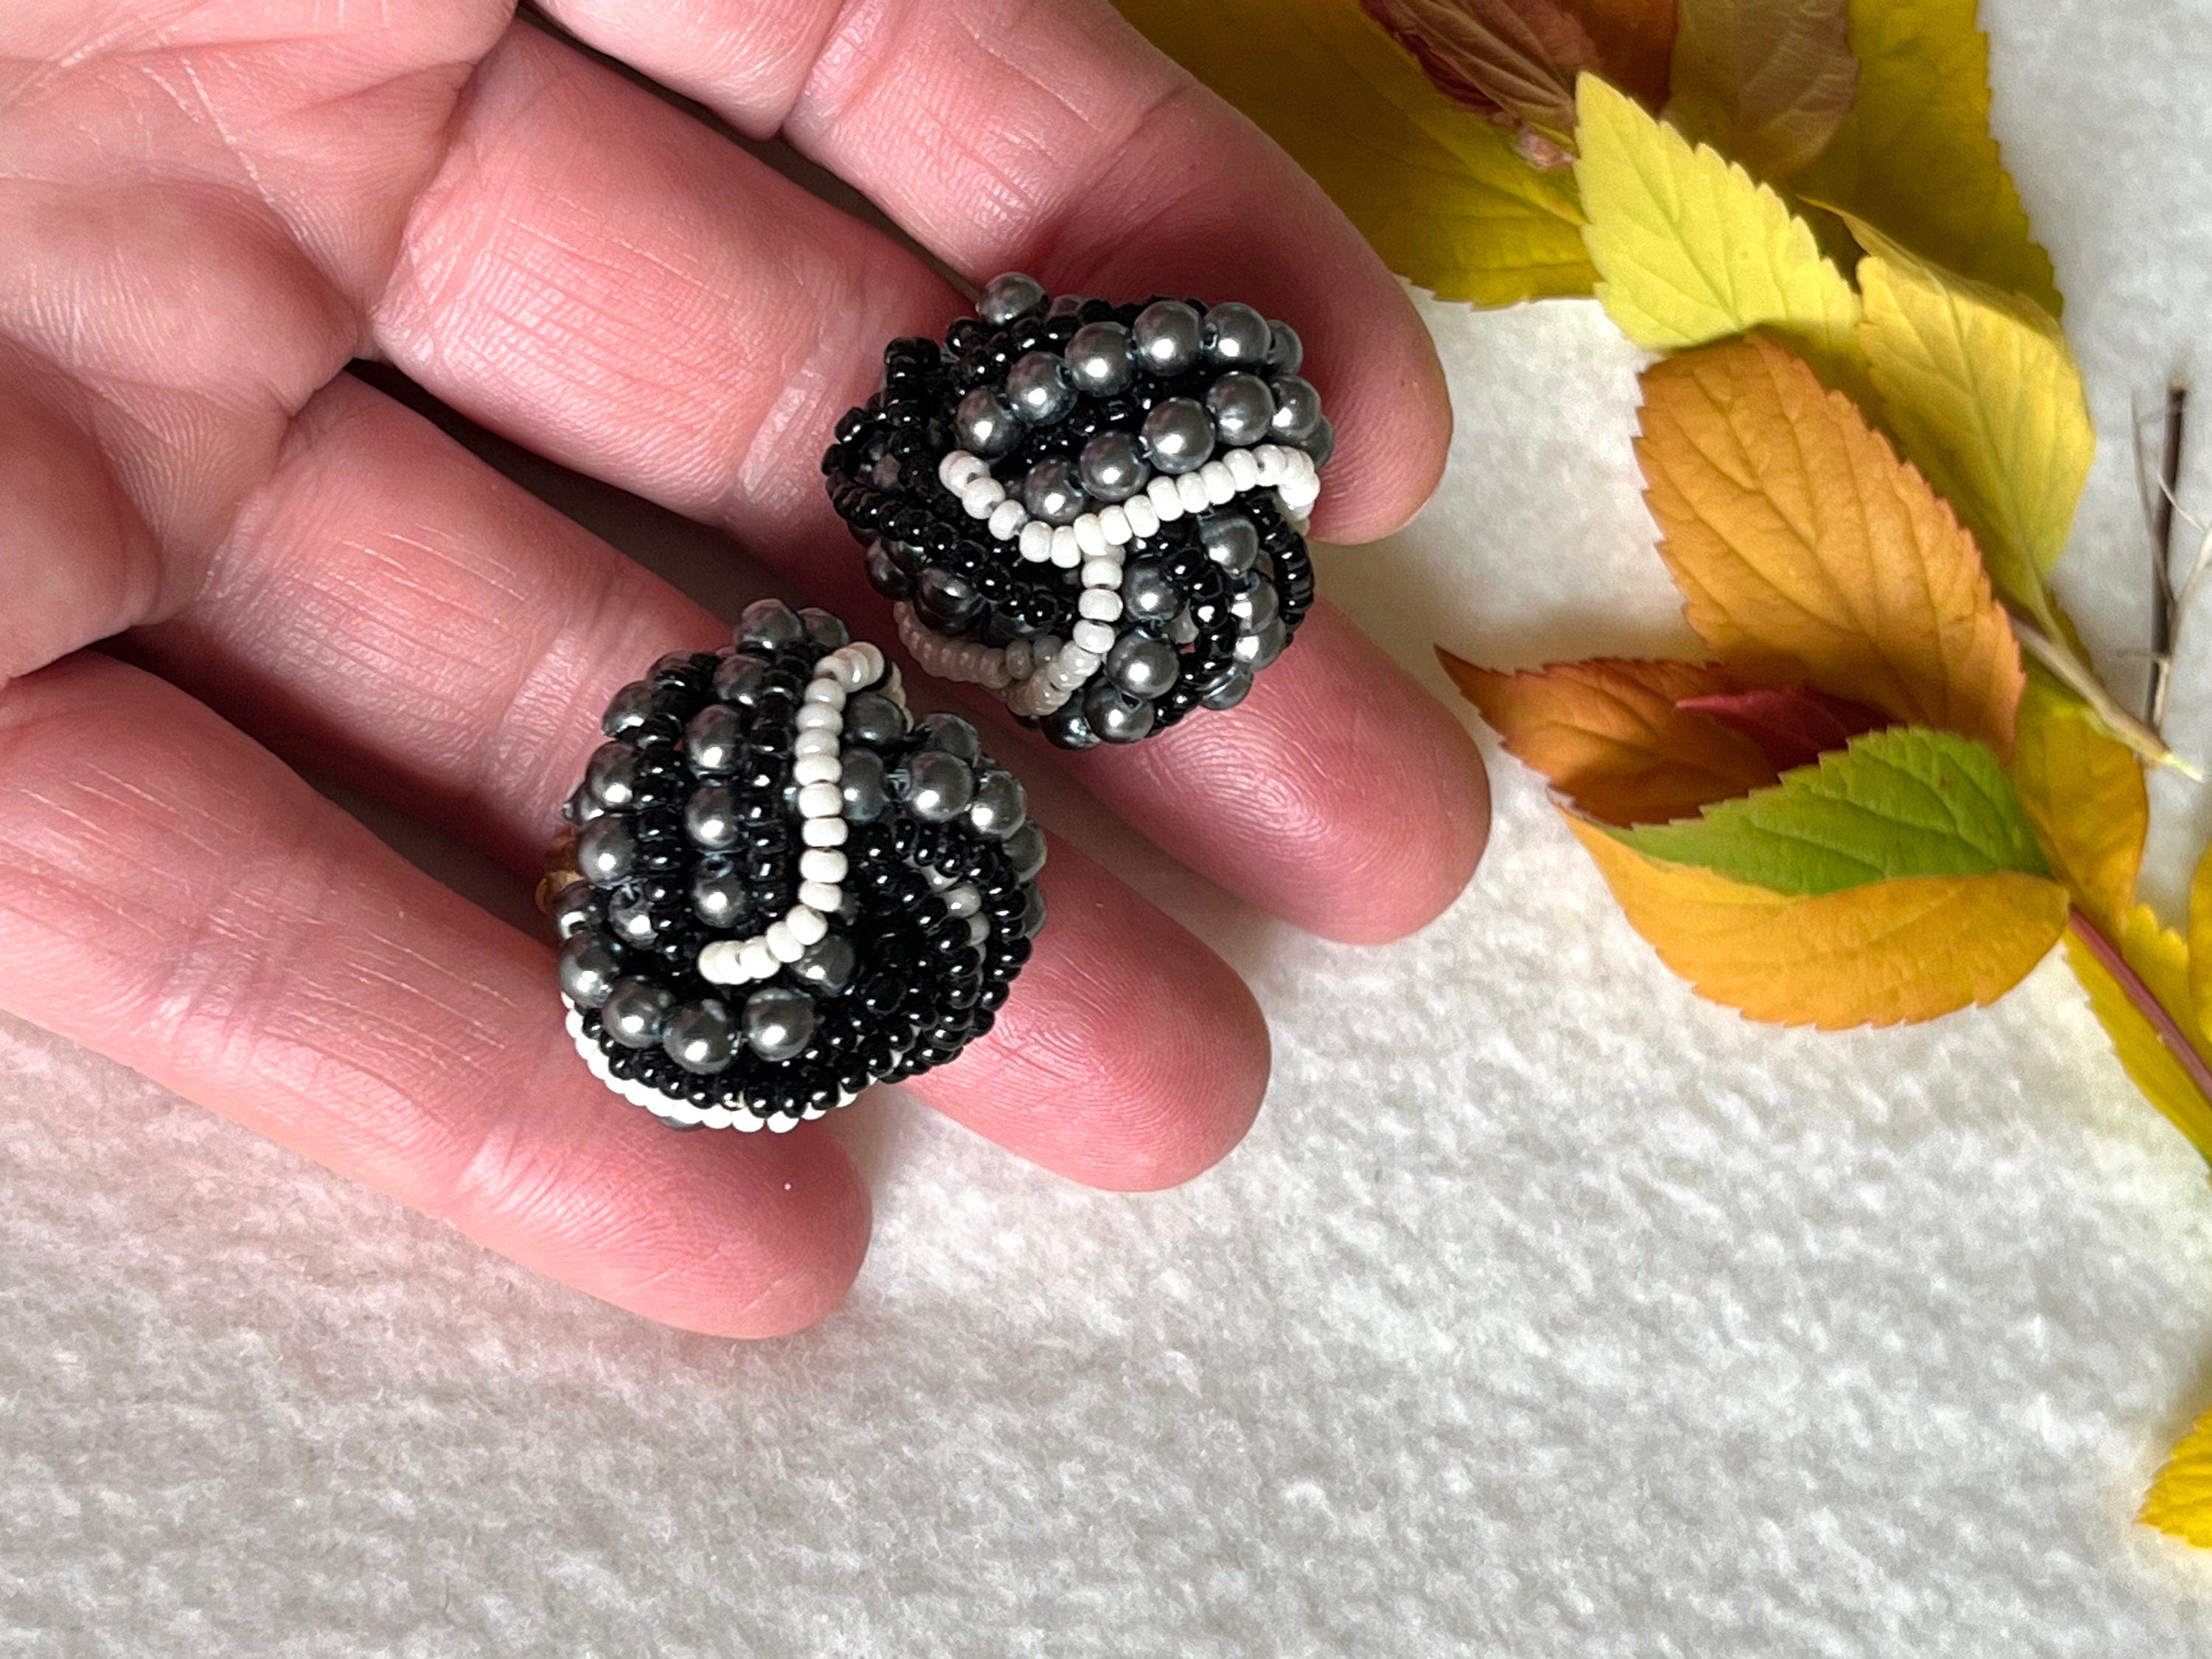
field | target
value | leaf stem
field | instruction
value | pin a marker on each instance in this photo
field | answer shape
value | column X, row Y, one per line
column 2165, row 607
column 2076, row 675
column 2170, row 1034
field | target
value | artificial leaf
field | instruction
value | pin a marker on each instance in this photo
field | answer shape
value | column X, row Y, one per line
column 2179, row 1502
column 1806, row 552
column 2200, row 943
column 1438, row 190
column 2084, row 793
column 1610, row 735
column 1689, row 247
column 2137, row 978
column 1904, row 802
column 1793, row 726
column 1635, row 43
column 1515, row 58
column 1878, row 955
column 1767, row 81
column 1984, row 397
column 1915, row 156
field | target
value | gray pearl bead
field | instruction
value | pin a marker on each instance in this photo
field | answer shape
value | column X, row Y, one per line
column 1170, row 337
column 1256, row 650
column 935, row 785
column 1112, row 467
column 1178, row 435
column 579, row 808
column 1297, row 409
column 1066, row 305
column 779, row 1022
column 1025, row 851
column 1237, row 337
column 604, row 851
column 1242, row 406
column 770, row 624
column 1098, row 359
column 1001, row 807
column 1256, row 606
column 1322, row 444
column 575, row 909
column 951, row 735
column 1115, row 715
column 713, row 741
column 1231, row 541
column 866, row 789
column 873, row 719
column 611, row 774
column 719, row 895
column 1052, row 492
column 1147, row 593
column 1033, row 913
column 1285, row 351
column 828, row 964
column 1228, row 687
column 1142, row 666
column 710, row 817
column 629, row 919
column 1009, row 298
column 588, row 970
column 944, row 601
column 634, row 1012
column 737, row 679
column 826, row 629
column 627, row 709
column 1066, row 728
column 1184, row 629
column 884, row 574
column 699, row 1036
column 984, row 423
column 1038, row 387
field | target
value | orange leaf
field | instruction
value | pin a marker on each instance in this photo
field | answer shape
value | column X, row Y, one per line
column 1807, row 550
column 1609, row 737
column 1890, row 952
column 1635, row 43
column 1514, row 59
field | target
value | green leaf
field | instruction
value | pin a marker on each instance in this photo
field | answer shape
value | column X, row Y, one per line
column 1909, row 801
column 1691, row 248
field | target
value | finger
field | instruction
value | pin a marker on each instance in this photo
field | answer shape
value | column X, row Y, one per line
column 393, row 612
column 559, row 283
column 172, row 896
column 1053, row 139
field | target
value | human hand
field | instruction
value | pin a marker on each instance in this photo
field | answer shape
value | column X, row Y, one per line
column 207, row 209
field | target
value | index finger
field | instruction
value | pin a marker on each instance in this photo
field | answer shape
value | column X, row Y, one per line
column 1053, row 139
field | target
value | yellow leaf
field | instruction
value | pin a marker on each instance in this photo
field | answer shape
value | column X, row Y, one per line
column 1806, row 550
column 2084, row 793
column 1689, row 247
column 2200, row 943
column 1984, row 395
column 2179, row 1502
column 1437, row 190
column 1877, row 955
column 2165, row 1064
column 1767, row 81
column 1915, row 157
column 1608, row 735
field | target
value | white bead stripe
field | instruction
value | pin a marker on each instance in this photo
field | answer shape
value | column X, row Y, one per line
column 683, row 1111
column 1287, row 471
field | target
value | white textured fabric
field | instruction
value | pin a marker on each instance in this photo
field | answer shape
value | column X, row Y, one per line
column 1547, row 1312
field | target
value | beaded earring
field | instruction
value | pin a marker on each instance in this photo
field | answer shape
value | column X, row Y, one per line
column 777, row 887
column 1095, row 511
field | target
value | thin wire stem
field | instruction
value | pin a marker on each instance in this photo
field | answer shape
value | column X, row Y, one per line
column 2165, row 609
column 2146, row 1002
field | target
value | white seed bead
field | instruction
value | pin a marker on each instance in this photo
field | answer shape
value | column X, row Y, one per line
column 1192, row 488
column 963, row 900
column 1006, row 520
column 1166, row 499
column 821, row 895
column 1298, row 493
column 1220, row 484
column 1066, row 553
column 1144, row 518
column 1099, row 604
column 815, row 768
column 825, row 832
column 959, row 468
column 1102, row 573
column 979, row 929
column 818, row 717
column 806, row 924
column 1094, row 637
column 783, row 944
column 825, row 690
column 821, row 865
column 1113, row 525
column 981, row 495
column 821, row 800
column 1037, row 541
column 719, row 962
column 1044, row 647
column 1268, row 457
column 1242, row 470
column 1018, row 661
column 814, row 741
column 758, row 959
column 1088, row 535
column 870, row 658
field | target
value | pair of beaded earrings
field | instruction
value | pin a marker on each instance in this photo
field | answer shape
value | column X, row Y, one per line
column 778, row 887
